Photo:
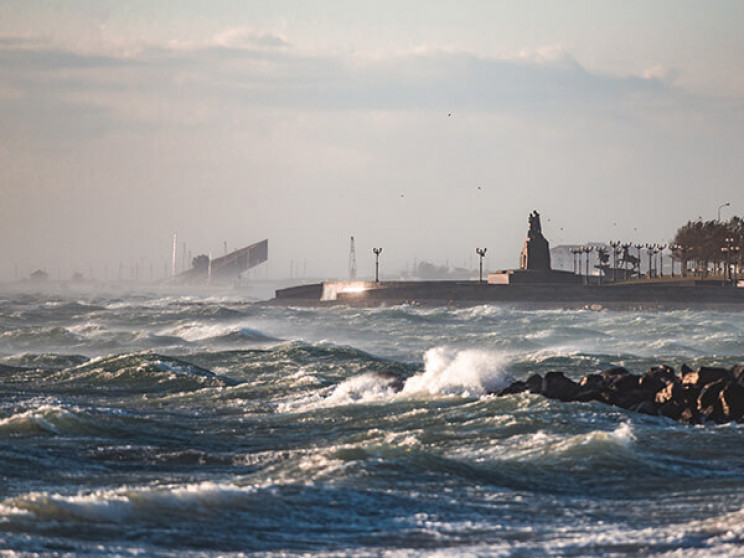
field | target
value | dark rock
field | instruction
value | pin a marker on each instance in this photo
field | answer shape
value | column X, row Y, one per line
column 705, row 375
column 585, row 395
column 590, row 388
column 628, row 382
column 671, row 409
column 555, row 385
column 515, row 387
column 592, row 381
column 709, row 394
column 732, row 401
column 689, row 415
column 646, row 407
column 708, row 402
column 534, row 383
column 651, row 384
column 738, row 373
column 612, row 374
column 671, row 393
column 662, row 372
column 629, row 399
column 702, row 395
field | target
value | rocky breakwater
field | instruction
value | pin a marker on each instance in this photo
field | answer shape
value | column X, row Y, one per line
column 705, row 395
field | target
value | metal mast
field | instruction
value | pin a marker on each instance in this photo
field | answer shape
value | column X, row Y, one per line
column 352, row 260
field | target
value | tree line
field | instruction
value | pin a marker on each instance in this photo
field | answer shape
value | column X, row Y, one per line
column 709, row 245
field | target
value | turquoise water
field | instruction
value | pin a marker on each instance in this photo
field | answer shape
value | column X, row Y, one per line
column 155, row 424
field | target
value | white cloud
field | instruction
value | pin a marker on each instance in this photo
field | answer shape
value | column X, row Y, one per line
column 247, row 37
column 661, row 73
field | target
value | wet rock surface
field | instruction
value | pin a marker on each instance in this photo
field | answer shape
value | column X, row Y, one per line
column 706, row 395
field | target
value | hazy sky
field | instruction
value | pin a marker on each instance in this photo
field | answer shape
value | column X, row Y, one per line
column 426, row 128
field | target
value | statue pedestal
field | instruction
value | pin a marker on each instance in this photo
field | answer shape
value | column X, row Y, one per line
column 535, row 254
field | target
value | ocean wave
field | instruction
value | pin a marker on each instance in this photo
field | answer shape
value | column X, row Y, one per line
column 138, row 373
column 47, row 419
column 216, row 333
column 25, row 338
column 468, row 372
column 124, row 504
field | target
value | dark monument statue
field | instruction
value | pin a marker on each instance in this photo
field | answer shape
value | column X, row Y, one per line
column 536, row 252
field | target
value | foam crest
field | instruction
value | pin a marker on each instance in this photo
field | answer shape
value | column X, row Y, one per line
column 467, row 372
column 123, row 504
column 49, row 419
column 363, row 388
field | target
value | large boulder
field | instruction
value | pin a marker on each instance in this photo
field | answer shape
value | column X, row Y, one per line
column 591, row 387
column 515, row 387
column 652, row 383
column 738, row 373
column 732, row 402
column 708, row 402
column 671, row 392
column 706, row 375
column 556, row 385
column 663, row 373
column 534, row 383
column 612, row 374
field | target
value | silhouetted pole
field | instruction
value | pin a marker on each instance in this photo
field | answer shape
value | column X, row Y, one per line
column 721, row 207
column 615, row 251
column 728, row 249
column 639, row 246
column 576, row 260
column 587, row 250
column 650, row 252
column 377, row 252
column 481, row 252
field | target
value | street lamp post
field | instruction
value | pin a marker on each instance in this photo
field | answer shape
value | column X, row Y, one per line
column 587, row 250
column 615, row 250
column 727, row 204
column 728, row 250
column 481, row 253
column 650, row 252
column 736, row 267
column 661, row 248
column 377, row 252
column 576, row 267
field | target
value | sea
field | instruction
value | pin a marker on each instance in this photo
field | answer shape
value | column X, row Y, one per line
column 154, row 423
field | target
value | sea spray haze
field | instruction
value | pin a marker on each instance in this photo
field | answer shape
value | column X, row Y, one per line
column 177, row 425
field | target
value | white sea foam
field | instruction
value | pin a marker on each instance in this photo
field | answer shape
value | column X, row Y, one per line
column 360, row 389
column 467, row 372
column 122, row 504
column 42, row 419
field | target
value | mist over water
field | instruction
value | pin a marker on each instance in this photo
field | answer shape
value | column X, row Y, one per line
column 167, row 424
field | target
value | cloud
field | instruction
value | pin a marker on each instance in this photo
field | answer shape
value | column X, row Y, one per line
column 248, row 37
column 661, row 73
column 242, row 69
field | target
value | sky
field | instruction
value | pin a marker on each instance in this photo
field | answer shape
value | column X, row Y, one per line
column 427, row 128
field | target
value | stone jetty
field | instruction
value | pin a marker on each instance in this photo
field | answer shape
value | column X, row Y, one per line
column 705, row 395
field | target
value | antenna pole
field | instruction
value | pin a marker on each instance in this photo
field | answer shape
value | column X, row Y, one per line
column 352, row 260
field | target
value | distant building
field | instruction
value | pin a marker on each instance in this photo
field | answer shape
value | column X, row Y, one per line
column 39, row 276
column 226, row 268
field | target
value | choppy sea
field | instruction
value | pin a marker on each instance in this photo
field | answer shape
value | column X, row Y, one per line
column 157, row 424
